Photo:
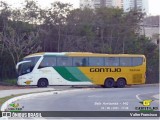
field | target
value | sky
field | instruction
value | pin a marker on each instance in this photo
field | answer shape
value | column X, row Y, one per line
column 154, row 5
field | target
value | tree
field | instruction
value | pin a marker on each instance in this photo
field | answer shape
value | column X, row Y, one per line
column 55, row 19
column 20, row 44
column 80, row 31
column 17, row 39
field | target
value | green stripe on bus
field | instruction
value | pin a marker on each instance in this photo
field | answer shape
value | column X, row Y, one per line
column 66, row 74
column 71, row 74
column 77, row 74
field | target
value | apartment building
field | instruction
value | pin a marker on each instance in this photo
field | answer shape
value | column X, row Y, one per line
column 126, row 5
column 100, row 3
column 135, row 4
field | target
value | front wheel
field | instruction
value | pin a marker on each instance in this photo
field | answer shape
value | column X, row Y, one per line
column 42, row 82
column 109, row 83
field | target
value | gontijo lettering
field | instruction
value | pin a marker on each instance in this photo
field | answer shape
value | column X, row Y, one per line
column 105, row 69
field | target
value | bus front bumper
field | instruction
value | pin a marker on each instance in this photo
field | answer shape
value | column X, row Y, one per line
column 24, row 81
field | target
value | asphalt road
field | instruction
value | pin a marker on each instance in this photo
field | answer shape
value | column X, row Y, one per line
column 93, row 99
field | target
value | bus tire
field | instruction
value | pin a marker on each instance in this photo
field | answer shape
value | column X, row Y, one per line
column 121, row 82
column 102, row 86
column 109, row 83
column 115, row 85
column 43, row 82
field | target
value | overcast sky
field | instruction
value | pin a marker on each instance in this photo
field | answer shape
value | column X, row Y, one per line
column 154, row 5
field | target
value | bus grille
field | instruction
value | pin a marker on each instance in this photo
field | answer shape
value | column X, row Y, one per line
column 137, row 78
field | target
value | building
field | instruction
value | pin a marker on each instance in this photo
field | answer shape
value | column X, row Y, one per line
column 135, row 4
column 100, row 3
column 117, row 3
column 127, row 5
column 86, row 3
column 151, row 28
column 152, row 33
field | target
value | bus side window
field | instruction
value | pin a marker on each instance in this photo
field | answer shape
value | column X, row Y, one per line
column 64, row 61
column 48, row 61
column 84, row 62
column 77, row 64
column 80, row 61
column 112, row 61
column 137, row 61
column 125, row 61
column 96, row 61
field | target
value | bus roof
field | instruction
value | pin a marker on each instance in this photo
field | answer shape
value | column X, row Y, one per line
column 83, row 54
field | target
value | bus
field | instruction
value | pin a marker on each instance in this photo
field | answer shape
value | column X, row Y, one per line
column 81, row 68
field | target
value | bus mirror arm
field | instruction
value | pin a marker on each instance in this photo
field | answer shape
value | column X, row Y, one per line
column 20, row 63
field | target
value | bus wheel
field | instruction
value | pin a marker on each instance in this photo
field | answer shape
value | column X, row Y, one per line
column 109, row 83
column 121, row 82
column 102, row 86
column 43, row 82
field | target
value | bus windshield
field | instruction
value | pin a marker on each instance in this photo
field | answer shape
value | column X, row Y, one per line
column 27, row 65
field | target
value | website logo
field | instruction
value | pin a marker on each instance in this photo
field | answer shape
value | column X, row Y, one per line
column 146, row 102
column 15, row 107
column 146, row 106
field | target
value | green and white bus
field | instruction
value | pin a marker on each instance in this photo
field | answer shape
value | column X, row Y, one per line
column 81, row 68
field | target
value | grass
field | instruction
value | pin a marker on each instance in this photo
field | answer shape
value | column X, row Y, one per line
column 146, row 110
column 10, row 81
column 4, row 99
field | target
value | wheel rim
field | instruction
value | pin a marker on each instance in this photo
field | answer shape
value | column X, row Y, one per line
column 43, row 84
column 110, row 83
column 121, row 83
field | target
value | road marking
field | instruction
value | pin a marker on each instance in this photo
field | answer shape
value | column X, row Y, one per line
column 95, row 96
column 156, row 96
column 137, row 96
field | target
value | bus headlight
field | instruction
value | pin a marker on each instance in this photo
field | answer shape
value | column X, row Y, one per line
column 21, row 78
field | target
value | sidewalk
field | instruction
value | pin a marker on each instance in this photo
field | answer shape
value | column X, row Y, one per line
column 5, row 93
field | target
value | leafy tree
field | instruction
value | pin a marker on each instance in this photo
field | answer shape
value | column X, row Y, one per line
column 55, row 20
column 80, row 31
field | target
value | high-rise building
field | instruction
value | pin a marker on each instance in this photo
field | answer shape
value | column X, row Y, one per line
column 135, row 4
column 117, row 3
column 127, row 5
column 86, row 3
column 100, row 3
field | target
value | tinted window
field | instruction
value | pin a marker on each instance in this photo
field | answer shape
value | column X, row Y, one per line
column 25, row 68
column 64, row 61
column 125, row 61
column 33, row 61
column 80, row 61
column 112, row 61
column 95, row 61
column 48, row 61
column 137, row 61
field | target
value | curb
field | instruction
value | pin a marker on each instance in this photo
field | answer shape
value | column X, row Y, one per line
column 5, row 105
column 155, row 84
